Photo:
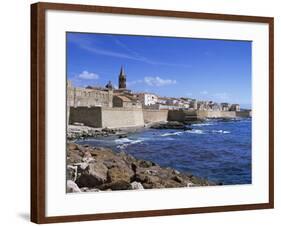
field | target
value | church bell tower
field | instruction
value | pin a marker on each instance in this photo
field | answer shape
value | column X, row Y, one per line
column 122, row 79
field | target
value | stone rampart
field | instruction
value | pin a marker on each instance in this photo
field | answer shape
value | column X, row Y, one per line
column 122, row 117
column 244, row 114
column 89, row 116
column 182, row 115
column 216, row 114
column 189, row 115
column 150, row 115
column 101, row 117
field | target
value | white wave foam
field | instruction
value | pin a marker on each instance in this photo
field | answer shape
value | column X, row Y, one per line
column 195, row 131
column 203, row 124
column 220, row 131
column 122, row 146
column 171, row 134
column 136, row 141
column 124, row 142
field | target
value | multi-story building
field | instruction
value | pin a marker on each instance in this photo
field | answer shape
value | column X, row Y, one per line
column 235, row 107
column 123, row 101
column 193, row 104
column 147, row 99
column 225, row 106
column 203, row 105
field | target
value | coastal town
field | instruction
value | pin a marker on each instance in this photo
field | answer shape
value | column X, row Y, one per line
column 90, row 105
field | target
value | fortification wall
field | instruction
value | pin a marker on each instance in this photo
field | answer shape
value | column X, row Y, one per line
column 244, row 114
column 83, row 97
column 187, row 115
column 216, row 114
column 182, row 115
column 176, row 115
column 122, row 117
column 89, row 116
column 150, row 115
column 228, row 114
column 129, row 117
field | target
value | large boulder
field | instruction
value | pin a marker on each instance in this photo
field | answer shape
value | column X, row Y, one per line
column 116, row 185
column 71, row 186
column 148, row 181
column 120, row 185
column 158, row 177
column 71, row 172
column 87, row 157
column 72, row 146
column 94, row 175
column 136, row 185
column 73, row 156
column 87, row 180
column 145, row 163
column 169, row 125
column 120, row 173
column 98, row 170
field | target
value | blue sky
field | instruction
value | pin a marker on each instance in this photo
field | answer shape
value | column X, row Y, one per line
column 218, row 70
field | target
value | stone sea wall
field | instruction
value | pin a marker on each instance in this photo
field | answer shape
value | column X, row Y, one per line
column 244, row 114
column 101, row 117
column 216, row 114
column 150, row 115
column 191, row 115
column 122, row 117
column 90, row 116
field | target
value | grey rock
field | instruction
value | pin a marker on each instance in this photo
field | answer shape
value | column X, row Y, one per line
column 136, row 185
column 120, row 173
column 98, row 170
column 169, row 125
column 116, row 185
column 71, row 186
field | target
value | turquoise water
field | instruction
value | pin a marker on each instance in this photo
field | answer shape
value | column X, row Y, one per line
column 217, row 150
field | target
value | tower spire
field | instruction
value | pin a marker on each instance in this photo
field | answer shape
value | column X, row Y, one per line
column 122, row 78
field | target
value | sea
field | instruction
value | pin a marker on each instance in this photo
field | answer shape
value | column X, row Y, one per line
column 216, row 150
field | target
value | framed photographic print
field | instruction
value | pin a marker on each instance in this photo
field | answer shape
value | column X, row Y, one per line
column 140, row 112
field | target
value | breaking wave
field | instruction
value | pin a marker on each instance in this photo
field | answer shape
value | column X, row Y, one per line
column 220, row 131
column 127, row 141
column 196, row 131
column 171, row 134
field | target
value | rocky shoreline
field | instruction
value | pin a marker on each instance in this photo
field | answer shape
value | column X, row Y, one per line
column 171, row 125
column 75, row 132
column 92, row 169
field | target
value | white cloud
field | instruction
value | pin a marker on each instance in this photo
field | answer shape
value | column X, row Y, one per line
column 204, row 92
column 157, row 81
column 131, row 83
column 88, row 75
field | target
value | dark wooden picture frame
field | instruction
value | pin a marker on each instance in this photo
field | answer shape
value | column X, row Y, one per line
column 38, row 107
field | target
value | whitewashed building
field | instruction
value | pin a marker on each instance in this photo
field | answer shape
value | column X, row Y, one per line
column 147, row 99
column 235, row 107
